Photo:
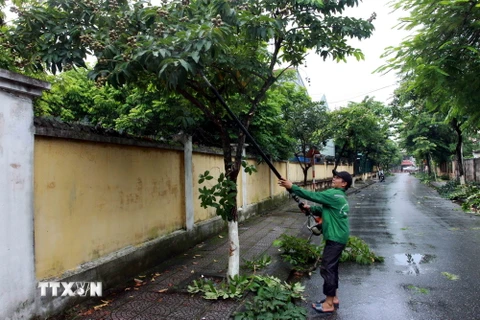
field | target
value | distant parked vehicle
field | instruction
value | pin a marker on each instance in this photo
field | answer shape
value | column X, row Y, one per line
column 410, row 169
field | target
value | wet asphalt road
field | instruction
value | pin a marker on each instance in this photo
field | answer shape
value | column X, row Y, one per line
column 422, row 237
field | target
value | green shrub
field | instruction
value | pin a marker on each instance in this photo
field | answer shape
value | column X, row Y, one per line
column 462, row 192
column 450, row 187
column 425, row 177
column 304, row 256
column 468, row 194
column 358, row 251
column 273, row 300
column 472, row 203
column 299, row 252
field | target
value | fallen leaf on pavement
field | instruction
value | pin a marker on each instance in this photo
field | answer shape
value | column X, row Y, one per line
column 104, row 304
column 162, row 290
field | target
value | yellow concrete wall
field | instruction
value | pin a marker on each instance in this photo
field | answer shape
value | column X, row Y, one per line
column 322, row 171
column 92, row 199
column 201, row 163
column 282, row 169
column 258, row 184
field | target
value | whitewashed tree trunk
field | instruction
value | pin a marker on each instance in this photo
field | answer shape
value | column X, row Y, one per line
column 234, row 249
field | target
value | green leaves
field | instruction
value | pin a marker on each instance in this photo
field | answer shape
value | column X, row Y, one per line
column 363, row 128
column 168, row 45
column 451, row 276
column 221, row 196
column 257, row 264
column 205, row 176
column 439, row 61
column 425, row 135
column 234, row 289
column 468, row 194
column 358, row 251
column 250, row 169
column 273, row 300
column 302, row 254
column 299, row 252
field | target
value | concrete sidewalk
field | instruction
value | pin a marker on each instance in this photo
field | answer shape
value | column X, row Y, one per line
column 161, row 293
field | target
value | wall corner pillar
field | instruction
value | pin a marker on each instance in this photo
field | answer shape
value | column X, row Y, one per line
column 18, row 291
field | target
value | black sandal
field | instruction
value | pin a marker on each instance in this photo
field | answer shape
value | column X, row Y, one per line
column 319, row 308
column 335, row 305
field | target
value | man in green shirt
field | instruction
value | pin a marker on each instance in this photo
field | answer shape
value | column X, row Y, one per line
column 335, row 226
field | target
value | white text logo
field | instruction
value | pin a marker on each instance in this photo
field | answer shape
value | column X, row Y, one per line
column 70, row 289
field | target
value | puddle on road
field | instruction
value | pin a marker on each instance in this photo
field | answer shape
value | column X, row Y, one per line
column 413, row 261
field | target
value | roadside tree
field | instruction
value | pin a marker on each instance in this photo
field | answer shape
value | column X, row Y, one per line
column 440, row 61
column 359, row 128
column 179, row 45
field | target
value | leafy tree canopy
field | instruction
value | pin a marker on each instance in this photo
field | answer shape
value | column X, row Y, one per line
column 359, row 128
column 441, row 60
column 423, row 134
column 140, row 112
column 173, row 45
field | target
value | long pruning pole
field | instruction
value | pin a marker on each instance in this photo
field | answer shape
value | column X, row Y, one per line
column 242, row 127
column 252, row 140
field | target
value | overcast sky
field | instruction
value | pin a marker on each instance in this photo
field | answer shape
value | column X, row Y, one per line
column 352, row 81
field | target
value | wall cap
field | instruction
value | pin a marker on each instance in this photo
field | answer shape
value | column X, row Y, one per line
column 51, row 127
column 20, row 84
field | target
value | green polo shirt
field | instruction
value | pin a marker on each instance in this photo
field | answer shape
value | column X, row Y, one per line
column 334, row 211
